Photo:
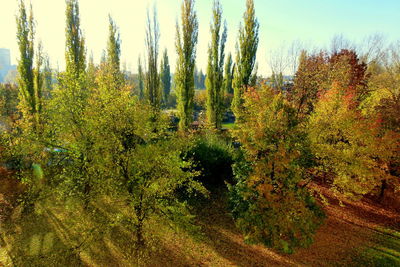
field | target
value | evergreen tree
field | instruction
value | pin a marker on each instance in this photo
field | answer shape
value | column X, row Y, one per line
column 202, row 80
column 196, row 78
column 140, row 79
column 186, row 41
column 165, row 76
column 228, row 76
column 214, row 80
column 246, row 56
column 152, row 79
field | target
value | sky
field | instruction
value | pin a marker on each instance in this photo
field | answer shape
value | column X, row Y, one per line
column 314, row 22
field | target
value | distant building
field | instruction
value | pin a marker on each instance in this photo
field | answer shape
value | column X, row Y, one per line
column 5, row 64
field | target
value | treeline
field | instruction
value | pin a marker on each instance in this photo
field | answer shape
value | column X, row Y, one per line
column 94, row 134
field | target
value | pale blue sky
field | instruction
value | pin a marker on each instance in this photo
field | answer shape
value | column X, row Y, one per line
column 281, row 21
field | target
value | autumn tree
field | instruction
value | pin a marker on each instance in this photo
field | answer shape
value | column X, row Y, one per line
column 215, row 68
column 186, row 41
column 269, row 201
column 245, row 56
column 351, row 153
column 165, row 76
column 310, row 77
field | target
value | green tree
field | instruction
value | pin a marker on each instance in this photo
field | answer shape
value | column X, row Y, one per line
column 68, row 107
column 228, row 75
column 215, row 68
column 269, row 201
column 152, row 78
column 245, row 56
column 113, row 56
column 29, row 80
column 165, row 76
column 186, row 41
column 140, row 79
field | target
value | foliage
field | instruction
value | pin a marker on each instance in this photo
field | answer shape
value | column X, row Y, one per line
column 348, row 147
column 152, row 88
column 228, row 75
column 245, row 56
column 214, row 78
column 186, row 41
column 270, row 203
column 165, row 76
column 140, row 79
column 29, row 78
column 8, row 100
column 213, row 157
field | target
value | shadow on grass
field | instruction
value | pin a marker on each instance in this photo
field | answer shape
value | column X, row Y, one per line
column 226, row 240
column 385, row 252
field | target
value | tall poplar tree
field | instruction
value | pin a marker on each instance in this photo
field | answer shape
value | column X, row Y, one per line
column 165, row 74
column 28, row 77
column 215, row 68
column 140, row 79
column 246, row 56
column 186, row 41
column 75, row 43
column 152, row 79
column 111, row 77
column 228, row 74
column 114, row 51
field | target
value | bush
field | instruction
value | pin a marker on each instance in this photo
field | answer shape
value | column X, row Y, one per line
column 213, row 156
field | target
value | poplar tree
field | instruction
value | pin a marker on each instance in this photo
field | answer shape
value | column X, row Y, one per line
column 245, row 57
column 111, row 76
column 228, row 75
column 140, row 79
column 186, row 41
column 28, row 77
column 152, row 78
column 75, row 43
column 165, row 73
column 215, row 68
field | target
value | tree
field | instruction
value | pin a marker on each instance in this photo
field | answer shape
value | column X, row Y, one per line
column 113, row 56
column 67, row 108
column 215, row 68
column 29, row 79
column 75, row 53
column 186, row 41
column 140, row 79
column 351, row 152
column 228, row 76
column 152, row 78
column 269, row 201
column 165, row 75
column 311, row 76
column 245, row 56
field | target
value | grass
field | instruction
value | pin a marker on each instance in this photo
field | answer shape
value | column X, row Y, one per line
column 229, row 125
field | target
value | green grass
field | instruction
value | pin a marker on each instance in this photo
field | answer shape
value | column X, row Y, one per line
column 385, row 250
column 229, row 125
